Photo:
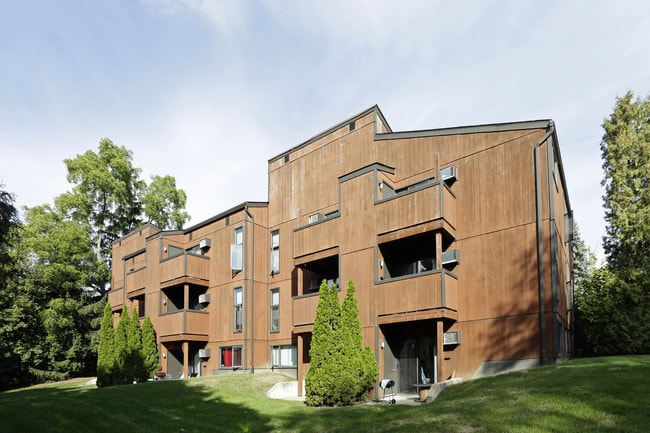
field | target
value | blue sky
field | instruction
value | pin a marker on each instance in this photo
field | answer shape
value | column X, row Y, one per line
column 225, row 85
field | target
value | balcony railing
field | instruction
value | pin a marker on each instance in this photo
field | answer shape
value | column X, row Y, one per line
column 115, row 297
column 185, row 265
column 316, row 237
column 416, row 207
column 136, row 279
column 434, row 290
column 304, row 309
column 184, row 324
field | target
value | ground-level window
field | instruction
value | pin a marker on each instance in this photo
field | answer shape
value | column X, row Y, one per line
column 284, row 356
column 231, row 356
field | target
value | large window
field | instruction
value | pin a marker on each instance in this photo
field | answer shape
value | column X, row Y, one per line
column 231, row 357
column 275, row 310
column 275, row 252
column 284, row 356
column 238, row 322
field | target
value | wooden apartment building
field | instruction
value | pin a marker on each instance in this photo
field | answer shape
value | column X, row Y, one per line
column 458, row 242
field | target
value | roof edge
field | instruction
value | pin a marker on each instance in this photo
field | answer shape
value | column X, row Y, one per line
column 472, row 129
column 374, row 108
column 225, row 213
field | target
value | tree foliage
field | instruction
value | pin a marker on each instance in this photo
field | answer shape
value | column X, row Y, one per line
column 110, row 197
column 614, row 305
column 128, row 352
column 149, row 348
column 342, row 371
column 105, row 351
column 55, row 267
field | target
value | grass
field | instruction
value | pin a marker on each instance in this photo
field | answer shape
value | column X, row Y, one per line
column 597, row 395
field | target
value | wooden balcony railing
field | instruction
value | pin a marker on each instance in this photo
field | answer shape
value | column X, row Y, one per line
column 416, row 207
column 185, row 265
column 417, row 293
column 183, row 324
column 304, row 309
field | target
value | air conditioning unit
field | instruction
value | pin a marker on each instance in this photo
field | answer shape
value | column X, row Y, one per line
column 205, row 243
column 451, row 338
column 448, row 174
column 451, row 257
column 204, row 353
column 204, row 298
column 316, row 217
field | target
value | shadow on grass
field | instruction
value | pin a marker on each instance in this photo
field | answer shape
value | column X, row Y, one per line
column 167, row 406
column 596, row 395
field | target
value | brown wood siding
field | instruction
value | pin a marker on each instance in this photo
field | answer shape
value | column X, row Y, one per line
column 488, row 213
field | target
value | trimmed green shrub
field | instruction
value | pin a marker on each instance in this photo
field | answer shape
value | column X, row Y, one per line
column 342, row 371
column 149, row 348
column 105, row 355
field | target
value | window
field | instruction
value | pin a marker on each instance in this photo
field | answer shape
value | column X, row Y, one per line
column 275, row 310
column 275, row 252
column 284, row 356
column 238, row 323
column 231, row 357
column 236, row 250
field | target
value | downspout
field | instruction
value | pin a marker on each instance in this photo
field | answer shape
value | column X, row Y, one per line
column 550, row 168
column 252, row 288
column 540, row 246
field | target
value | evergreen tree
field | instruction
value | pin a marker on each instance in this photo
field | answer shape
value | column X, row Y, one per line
column 149, row 348
column 342, row 371
column 121, row 349
column 362, row 366
column 105, row 351
column 134, row 356
column 319, row 382
column 626, row 162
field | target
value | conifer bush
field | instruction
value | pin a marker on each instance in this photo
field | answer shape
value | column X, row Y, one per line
column 342, row 371
column 105, row 356
column 127, row 353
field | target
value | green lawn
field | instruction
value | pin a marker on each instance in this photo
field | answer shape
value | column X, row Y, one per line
column 594, row 395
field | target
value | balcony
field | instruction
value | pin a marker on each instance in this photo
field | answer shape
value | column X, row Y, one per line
column 136, row 279
column 411, row 208
column 429, row 295
column 115, row 297
column 185, row 265
column 183, row 325
column 304, row 309
column 316, row 236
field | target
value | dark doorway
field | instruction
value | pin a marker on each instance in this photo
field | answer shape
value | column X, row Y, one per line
column 410, row 360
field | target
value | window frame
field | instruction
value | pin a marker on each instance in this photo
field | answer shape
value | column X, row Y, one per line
column 274, row 307
column 274, row 252
column 238, row 310
column 278, row 356
column 233, row 350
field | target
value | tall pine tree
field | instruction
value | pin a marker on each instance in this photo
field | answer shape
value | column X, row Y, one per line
column 342, row 371
column 626, row 162
column 105, row 351
column 149, row 348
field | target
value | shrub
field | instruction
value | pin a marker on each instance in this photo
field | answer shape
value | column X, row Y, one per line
column 342, row 371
